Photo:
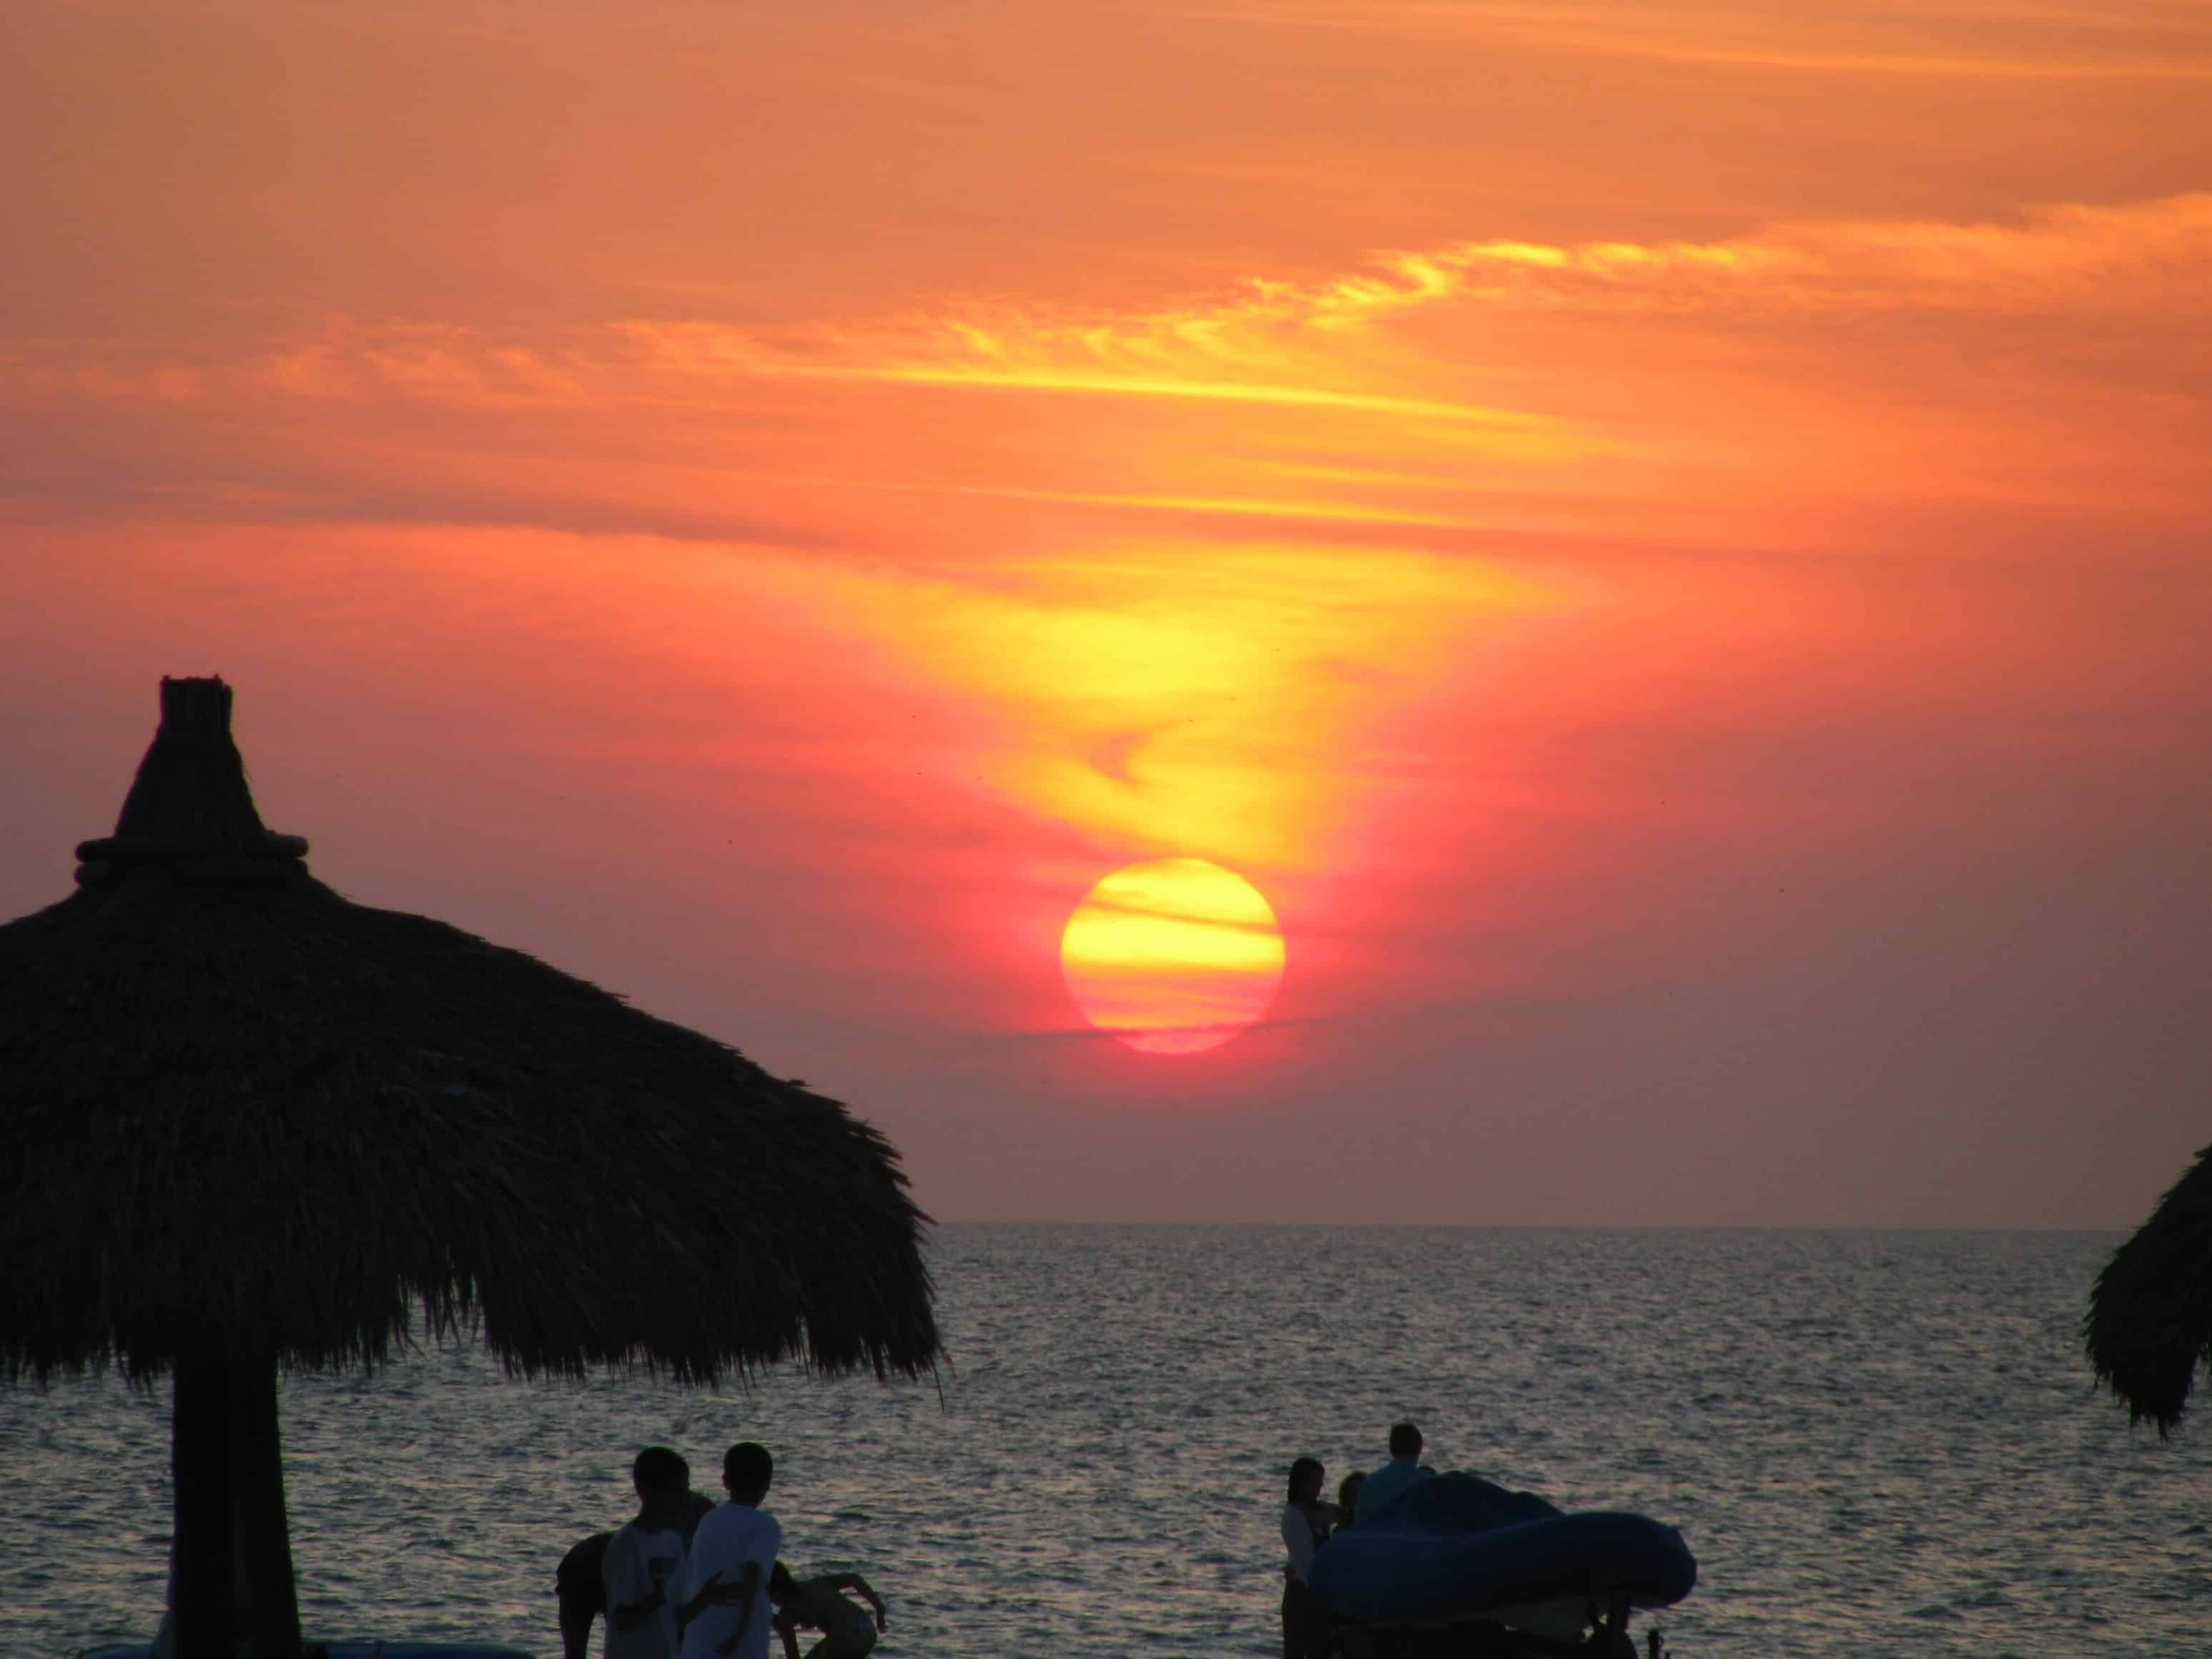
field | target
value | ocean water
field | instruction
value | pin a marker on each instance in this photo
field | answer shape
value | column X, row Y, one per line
column 1875, row 1443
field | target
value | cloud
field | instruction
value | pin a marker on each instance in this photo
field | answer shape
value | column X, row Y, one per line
column 1499, row 383
column 350, row 362
column 1227, row 351
column 1928, row 41
column 1267, row 342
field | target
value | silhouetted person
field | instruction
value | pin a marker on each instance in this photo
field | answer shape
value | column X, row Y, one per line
column 580, row 1585
column 645, row 1558
column 814, row 1604
column 1305, row 1528
column 1347, row 1498
column 725, row 1610
column 1403, row 1469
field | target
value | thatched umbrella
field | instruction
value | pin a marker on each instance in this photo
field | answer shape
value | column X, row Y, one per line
column 2150, row 1315
column 246, row 1124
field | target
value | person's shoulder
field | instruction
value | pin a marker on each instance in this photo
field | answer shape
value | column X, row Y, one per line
column 585, row 1553
column 583, row 1569
column 625, row 1546
column 715, row 1519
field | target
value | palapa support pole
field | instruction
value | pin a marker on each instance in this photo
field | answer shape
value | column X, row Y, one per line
column 263, row 1529
column 207, row 1557
column 235, row 1591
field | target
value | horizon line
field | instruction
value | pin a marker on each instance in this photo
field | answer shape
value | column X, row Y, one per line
column 1557, row 1226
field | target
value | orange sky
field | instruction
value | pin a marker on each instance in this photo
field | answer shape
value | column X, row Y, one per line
column 1670, row 542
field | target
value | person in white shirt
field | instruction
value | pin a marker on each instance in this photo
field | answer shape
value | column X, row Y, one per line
column 725, row 1585
column 644, row 1559
column 580, row 1582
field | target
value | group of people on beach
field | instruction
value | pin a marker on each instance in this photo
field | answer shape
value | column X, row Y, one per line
column 689, row 1579
column 1310, row 1630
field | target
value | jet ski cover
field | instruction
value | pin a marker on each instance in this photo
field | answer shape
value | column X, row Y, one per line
column 1452, row 1546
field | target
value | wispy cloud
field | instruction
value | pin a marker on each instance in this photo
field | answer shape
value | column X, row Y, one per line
column 1267, row 342
column 1931, row 41
column 1410, row 395
column 1230, row 350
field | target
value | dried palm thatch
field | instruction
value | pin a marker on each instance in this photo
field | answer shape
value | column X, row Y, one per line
column 246, row 1124
column 2150, row 1324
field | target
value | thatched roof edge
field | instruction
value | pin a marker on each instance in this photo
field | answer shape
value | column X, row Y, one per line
column 2149, row 1323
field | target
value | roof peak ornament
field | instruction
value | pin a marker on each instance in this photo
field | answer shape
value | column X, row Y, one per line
column 189, row 810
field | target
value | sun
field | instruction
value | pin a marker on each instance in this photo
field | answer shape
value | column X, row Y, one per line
column 1173, row 954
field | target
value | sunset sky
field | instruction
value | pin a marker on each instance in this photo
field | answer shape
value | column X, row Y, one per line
column 1673, row 544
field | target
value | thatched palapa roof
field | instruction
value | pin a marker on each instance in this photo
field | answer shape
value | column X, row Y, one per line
column 239, row 1108
column 240, row 1114
column 2150, row 1325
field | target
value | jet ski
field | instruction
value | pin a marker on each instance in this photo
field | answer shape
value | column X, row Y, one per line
column 1508, row 1572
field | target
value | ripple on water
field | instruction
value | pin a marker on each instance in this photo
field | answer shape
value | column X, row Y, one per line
column 1871, row 1441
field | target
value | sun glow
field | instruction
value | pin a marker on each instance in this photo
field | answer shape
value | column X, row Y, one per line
column 1173, row 956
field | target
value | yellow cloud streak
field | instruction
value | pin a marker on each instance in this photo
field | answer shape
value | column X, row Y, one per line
column 1232, row 505
column 1107, row 943
column 1134, row 386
